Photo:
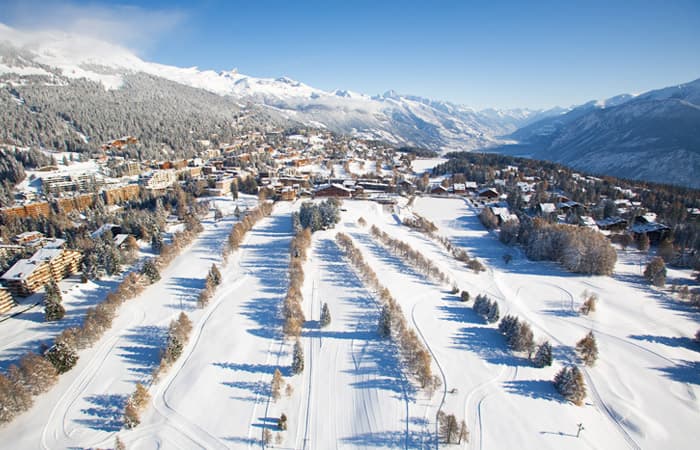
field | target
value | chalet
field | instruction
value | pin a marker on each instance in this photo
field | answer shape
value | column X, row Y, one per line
column 612, row 224
column 587, row 222
column 503, row 214
column 655, row 231
column 459, row 188
column 6, row 300
column 487, row 193
column 27, row 237
column 332, row 190
column 470, row 186
column 545, row 209
column 567, row 206
column 27, row 276
column 439, row 190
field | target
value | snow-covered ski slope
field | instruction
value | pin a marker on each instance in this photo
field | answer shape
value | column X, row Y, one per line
column 354, row 392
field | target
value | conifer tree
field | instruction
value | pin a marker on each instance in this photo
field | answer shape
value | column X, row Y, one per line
column 52, row 302
column 587, row 349
column 543, row 356
column 325, row 315
column 298, row 358
column 385, row 322
column 569, row 383
column 150, row 270
column 62, row 356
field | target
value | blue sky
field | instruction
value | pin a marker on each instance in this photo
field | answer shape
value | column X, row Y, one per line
column 478, row 53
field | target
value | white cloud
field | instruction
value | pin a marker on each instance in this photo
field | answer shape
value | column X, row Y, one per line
column 134, row 27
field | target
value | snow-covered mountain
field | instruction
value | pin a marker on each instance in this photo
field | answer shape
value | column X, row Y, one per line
column 654, row 136
column 398, row 119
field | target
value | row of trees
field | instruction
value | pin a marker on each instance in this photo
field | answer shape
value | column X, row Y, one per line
column 408, row 254
column 425, row 226
column 450, row 430
column 392, row 322
column 33, row 375
column 63, row 354
column 291, row 308
column 235, row 237
column 211, row 282
column 486, row 308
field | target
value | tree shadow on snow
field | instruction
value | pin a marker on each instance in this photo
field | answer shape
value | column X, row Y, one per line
column 185, row 291
column 384, row 256
column 144, row 355
column 489, row 344
column 537, row 389
column 254, row 368
column 269, row 263
column 106, row 412
column 392, row 439
column 683, row 372
column 373, row 357
column 671, row 341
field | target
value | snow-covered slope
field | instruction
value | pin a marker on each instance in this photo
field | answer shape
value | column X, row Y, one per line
column 399, row 119
column 654, row 136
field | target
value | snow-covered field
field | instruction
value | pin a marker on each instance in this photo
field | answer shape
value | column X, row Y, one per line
column 354, row 392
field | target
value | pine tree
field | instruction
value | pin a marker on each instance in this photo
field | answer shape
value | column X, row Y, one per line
column 150, row 270
column 543, row 356
column 385, row 320
column 493, row 313
column 587, row 349
column 298, row 358
column 464, row 296
column 62, row 356
column 156, row 242
column 325, row 315
column 52, row 302
column 569, row 383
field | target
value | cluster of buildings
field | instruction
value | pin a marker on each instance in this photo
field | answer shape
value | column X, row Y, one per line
column 49, row 261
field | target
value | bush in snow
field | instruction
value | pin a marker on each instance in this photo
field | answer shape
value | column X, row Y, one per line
column 53, row 310
column 543, row 355
column 298, row 358
column 325, row 315
column 119, row 444
column 488, row 219
column 655, row 272
column 587, row 349
column 569, row 383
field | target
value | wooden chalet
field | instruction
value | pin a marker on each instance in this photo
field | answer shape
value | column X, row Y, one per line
column 332, row 190
column 439, row 190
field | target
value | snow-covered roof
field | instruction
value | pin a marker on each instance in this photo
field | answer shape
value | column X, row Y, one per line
column 547, row 208
column 120, row 238
column 20, row 270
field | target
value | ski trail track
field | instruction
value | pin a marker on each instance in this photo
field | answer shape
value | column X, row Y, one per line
column 355, row 391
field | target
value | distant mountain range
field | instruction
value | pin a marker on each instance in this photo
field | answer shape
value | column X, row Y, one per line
column 66, row 90
column 653, row 136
